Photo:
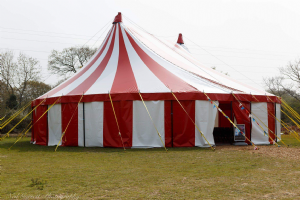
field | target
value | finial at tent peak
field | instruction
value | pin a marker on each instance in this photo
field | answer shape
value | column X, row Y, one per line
column 118, row 18
column 180, row 40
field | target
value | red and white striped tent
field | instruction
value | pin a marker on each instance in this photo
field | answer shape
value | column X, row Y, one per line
column 131, row 61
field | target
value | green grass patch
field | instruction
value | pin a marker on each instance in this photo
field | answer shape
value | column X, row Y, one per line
column 30, row 171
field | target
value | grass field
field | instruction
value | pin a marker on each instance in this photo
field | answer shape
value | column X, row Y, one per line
column 32, row 171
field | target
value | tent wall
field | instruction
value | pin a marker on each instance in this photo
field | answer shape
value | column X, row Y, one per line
column 54, row 125
column 40, row 125
column 257, row 135
column 278, row 116
column 68, row 112
column 271, row 121
column 242, row 117
column 205, row 120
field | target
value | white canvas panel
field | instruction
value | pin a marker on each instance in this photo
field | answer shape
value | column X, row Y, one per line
column 144, row 134
column 54, row 125
column 205, row 114
column 278, row 116
column 80, row 125
column 93, row 124
column 257, row 134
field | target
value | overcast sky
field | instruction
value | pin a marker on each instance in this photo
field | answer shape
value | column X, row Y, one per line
column 249, row 39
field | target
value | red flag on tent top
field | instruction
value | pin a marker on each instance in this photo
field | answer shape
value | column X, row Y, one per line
column 180, row 40
column 118, row 18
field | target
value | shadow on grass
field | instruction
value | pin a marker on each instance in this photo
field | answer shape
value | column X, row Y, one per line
column 25, row 146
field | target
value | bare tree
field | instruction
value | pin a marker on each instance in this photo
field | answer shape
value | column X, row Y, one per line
column 8, row 70
column 69, row 60
column 28, row 70
column 287, row 83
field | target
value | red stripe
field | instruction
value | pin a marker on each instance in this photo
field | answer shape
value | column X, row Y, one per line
column 271, row 121
column 168, row 124
column 124, row 81
column 71, row 80
column 71, row 135
column 183, row 127
column 41, row 127
column 169, row 79
column 242, row 117
column 87, row 83
column 124, row 115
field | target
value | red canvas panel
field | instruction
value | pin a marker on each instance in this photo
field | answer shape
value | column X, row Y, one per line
column 168, row 128
column 242, row 117
column 271, row 121
column 40, row 126
column 71, row 135
column 226, row 108
column 183, row 127
column 33, row 118
column 124, row 115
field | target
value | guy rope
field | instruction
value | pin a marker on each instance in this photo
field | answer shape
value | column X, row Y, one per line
column 251, row 115
column 7, row 134
column 112, row 105
column 255, row 147
column 153, row 123
column 193, row 122
column 22, row 136
column 76, row 110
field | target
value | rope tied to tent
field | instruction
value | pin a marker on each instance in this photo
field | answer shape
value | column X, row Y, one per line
column 112, row 105
column 193, row 122
column 255, row 147
column 7, row 134
column 68, row 123
column 153, row 123
column 251, row 113
column 22, row 136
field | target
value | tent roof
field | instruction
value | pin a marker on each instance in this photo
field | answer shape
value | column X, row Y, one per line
column 131, row 61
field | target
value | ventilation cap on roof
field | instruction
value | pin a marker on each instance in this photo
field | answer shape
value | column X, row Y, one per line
column 180, row 40
column 118, row 18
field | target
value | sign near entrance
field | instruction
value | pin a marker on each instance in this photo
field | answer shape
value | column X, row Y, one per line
column 238, row 136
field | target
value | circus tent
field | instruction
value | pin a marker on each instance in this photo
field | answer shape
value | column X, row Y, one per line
column 140, row 91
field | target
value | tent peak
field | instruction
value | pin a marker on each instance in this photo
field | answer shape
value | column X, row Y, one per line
column 118, row 18
column 180, row 40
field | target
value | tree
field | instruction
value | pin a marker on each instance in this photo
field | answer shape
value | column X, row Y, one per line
column 69, row 60
column 8, row 70
column 28, row 70
column 35, row 89
column 12, row 103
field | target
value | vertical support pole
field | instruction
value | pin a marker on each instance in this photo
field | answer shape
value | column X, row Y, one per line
column 172, row 123
column 250, row 121
column 83, row 124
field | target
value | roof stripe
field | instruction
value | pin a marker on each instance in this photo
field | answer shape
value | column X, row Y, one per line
column 171, row 81
column 84, row 69
column 124, row 80
column 87, row 83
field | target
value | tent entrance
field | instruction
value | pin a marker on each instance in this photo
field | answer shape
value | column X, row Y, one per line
column 223, row 131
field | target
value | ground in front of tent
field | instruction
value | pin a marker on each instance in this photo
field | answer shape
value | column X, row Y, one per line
column 235, row 172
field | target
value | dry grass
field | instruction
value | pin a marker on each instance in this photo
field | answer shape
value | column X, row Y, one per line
column 231, row 172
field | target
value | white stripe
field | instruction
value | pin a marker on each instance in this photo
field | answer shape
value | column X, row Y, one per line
column 54, row 125
column 80, row 125
column 84, row 76
column 105, row 81
column 93, row 124
column 144, row 134
column 260, row 112
column 146, row 81
column 205, row 115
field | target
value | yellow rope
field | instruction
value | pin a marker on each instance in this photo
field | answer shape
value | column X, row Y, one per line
column 291, row 110
column 255, row 147
column 2, row 118
column 68, row 123
column 14, row 116
column 153, row 122
column 7, row 134
column 34, row 123
column 112, row 105
column 259, row 124
column 284, row 124
column 193, row 122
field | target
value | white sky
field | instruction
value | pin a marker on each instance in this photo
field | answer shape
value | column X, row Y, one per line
column 254, row 37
